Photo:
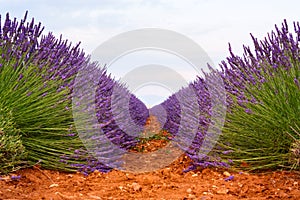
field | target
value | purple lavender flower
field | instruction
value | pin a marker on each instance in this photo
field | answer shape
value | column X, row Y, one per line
column 15, row 178
column 296, row 81
column 247, row 110
column 227, row 152
column 229, row 178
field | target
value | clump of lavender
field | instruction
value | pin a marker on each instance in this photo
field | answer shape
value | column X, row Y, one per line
column 37, row 76
column 263, row 100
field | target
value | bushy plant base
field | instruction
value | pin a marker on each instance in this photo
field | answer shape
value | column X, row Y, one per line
column 12, row 151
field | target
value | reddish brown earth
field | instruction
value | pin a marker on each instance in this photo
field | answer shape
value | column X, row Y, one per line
column 167, row 183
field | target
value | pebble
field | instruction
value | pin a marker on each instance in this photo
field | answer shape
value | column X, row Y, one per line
column 129, row 176
column 53, row 185
column 136, row 186
column 222, row 191
column 226, row 173
column 192, row 196
column 189, row 190
column 295, row 183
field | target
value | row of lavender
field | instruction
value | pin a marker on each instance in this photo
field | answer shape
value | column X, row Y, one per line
column 37, row 80
column 194, row 116
column 264, row 87
column 262, row 102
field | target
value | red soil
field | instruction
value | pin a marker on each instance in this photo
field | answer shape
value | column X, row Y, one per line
column 168, row 183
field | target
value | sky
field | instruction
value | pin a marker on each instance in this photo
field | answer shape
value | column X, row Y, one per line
column 210, row 23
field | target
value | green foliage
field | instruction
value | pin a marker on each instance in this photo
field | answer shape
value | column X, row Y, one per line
column 261, row 133
column 37, row 104
column 294, row 158
column 12, row 151
column 41, row 114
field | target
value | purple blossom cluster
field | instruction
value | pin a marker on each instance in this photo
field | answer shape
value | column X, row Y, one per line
column 24, row 42
column 278, row 51
column 18, row 39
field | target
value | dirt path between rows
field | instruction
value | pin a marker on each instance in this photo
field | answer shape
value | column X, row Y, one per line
column 168, row 183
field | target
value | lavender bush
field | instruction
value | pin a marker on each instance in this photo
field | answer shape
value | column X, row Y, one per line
column 34, row 80
column 264, row 101
column 37, row 74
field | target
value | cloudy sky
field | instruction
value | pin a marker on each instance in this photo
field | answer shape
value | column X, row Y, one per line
column 210, row 23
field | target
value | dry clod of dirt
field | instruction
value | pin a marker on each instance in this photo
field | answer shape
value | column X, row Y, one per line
column 226, row 173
